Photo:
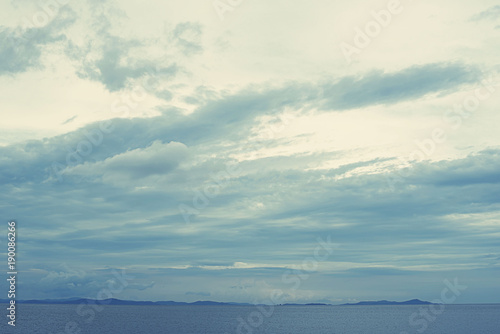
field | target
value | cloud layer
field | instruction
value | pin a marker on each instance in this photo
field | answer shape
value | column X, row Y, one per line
column 180, row 151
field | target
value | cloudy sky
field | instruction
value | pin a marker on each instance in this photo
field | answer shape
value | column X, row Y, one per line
column 211, row 149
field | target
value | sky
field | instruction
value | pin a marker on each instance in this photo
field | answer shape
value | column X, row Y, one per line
column 221, row 150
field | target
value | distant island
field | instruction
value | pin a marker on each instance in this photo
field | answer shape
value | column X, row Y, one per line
column 386, row 302
column 113, row 301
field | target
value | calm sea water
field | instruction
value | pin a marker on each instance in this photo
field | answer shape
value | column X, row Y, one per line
column 454, row 319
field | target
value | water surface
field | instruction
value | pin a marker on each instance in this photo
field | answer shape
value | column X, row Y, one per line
column 58, row 319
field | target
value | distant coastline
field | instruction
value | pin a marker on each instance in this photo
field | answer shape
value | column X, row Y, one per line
column 386, row 302
column 113, row 301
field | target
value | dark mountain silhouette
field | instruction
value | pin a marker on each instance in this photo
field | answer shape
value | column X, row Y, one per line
column 386, row 302
column 113, row 301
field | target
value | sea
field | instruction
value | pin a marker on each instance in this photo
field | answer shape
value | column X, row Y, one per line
column 75, row 319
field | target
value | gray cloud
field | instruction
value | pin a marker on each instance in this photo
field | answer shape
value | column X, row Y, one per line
column 69, row 120
column 156, row 159
column 388, row 88
column 491, row 13
column 21, row 49
column 187, row 36
column 110, row 62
